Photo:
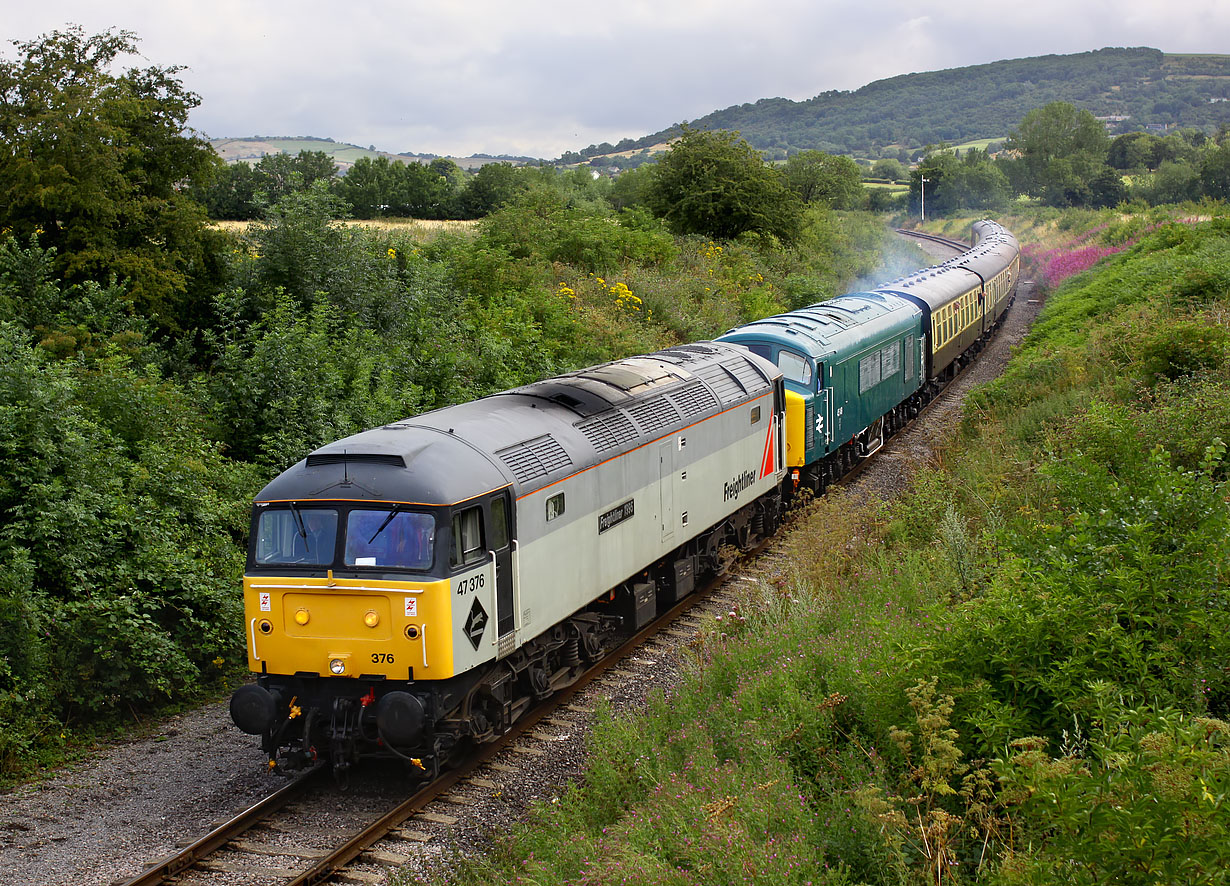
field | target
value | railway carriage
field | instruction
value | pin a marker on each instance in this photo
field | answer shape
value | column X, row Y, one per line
column 962, row 299
column 420, row 584
column 859, row 366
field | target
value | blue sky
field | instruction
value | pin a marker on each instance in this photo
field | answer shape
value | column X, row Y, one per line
column 539, row 77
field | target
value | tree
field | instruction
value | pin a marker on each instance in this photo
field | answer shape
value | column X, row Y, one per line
column 817, row 176
column 492, row 186
column 1215, row 172
column 972, row 181
column 888, row 169
column 1061, row 150
column 716, row 184
column 93, row 164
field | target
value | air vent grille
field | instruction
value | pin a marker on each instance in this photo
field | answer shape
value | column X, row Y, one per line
column 355, row 458
column 609, row 431
column 653, row 415
column 695, row 399
column 535, row 458
column 747, row 375
column 723, row 384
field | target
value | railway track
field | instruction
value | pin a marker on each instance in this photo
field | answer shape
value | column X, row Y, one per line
column 956, row 245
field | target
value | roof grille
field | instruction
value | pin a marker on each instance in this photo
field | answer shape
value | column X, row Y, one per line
column 355, row 458
column 695, row 399
column 748, row 375
column 723, row 384
column 609, row 431
column 653, row 415
column 535, row 458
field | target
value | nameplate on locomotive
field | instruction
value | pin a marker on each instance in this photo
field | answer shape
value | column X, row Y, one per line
column 615, row 516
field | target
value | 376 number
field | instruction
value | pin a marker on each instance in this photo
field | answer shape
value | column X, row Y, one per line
column 382, row 658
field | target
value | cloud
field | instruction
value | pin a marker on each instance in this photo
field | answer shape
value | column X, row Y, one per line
column 543, row 76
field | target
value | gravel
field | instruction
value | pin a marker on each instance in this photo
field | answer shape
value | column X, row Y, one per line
column 106, row 819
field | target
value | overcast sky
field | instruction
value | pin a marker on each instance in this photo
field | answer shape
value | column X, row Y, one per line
column 540, row 77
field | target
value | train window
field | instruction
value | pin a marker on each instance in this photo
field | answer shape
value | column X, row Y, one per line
column 868, row 372
column 555, row 506
column 794, row 366
column 760, row 350
column 890, row 359
column 755, row 414
column 467, row 544
column 390, row 538
column 298, row 536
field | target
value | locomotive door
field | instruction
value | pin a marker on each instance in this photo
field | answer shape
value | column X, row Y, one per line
column 501, row 554
column 666, row 487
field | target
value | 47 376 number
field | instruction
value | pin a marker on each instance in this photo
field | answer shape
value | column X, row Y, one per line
column 472, row 584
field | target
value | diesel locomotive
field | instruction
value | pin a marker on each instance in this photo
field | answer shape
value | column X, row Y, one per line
column 414, row 588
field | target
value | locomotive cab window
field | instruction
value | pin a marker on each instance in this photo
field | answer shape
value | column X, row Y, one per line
column 390, row 537
column 296, row 536
column 555, row 506
column 467, row 544
column 755, row 414
column 794, row 366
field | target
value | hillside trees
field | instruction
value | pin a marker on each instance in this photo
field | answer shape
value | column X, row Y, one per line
column 93, row 162
column 817, row 176
column 969, row 182
column 385, row 187
column 1063, row 154
column 716, row 184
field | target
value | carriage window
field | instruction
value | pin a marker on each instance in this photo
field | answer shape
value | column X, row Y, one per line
column 794, row 366
column 391, row 538
column 299, row 536
column 555, row 506
column 467, row 544
column 909, row 357
column 755, row 414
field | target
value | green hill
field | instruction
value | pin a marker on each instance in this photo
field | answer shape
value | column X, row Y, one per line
column 252, row 148
column 1133, row 88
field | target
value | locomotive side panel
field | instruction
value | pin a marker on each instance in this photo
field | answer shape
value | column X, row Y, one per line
column 618, row 518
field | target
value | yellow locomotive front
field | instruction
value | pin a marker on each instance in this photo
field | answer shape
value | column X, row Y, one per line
column 367, row 596
column 376, row 611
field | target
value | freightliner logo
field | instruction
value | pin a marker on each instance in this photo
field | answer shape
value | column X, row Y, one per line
column 734, row 488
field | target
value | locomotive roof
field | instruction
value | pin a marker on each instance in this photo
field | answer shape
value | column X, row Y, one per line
column 531, row 436
column 832, row 328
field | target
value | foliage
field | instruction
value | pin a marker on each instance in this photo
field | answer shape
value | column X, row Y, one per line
column 814, row 175
column 1152, row 787
column 969, row 182
column 716, row 185
column 93, row 163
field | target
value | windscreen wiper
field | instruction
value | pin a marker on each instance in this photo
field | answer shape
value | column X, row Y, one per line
column 299, row 525
column 387, row 520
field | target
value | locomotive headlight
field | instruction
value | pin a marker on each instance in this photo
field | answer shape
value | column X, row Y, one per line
column 337, row 665
column 301, row 617
column 371, row 619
